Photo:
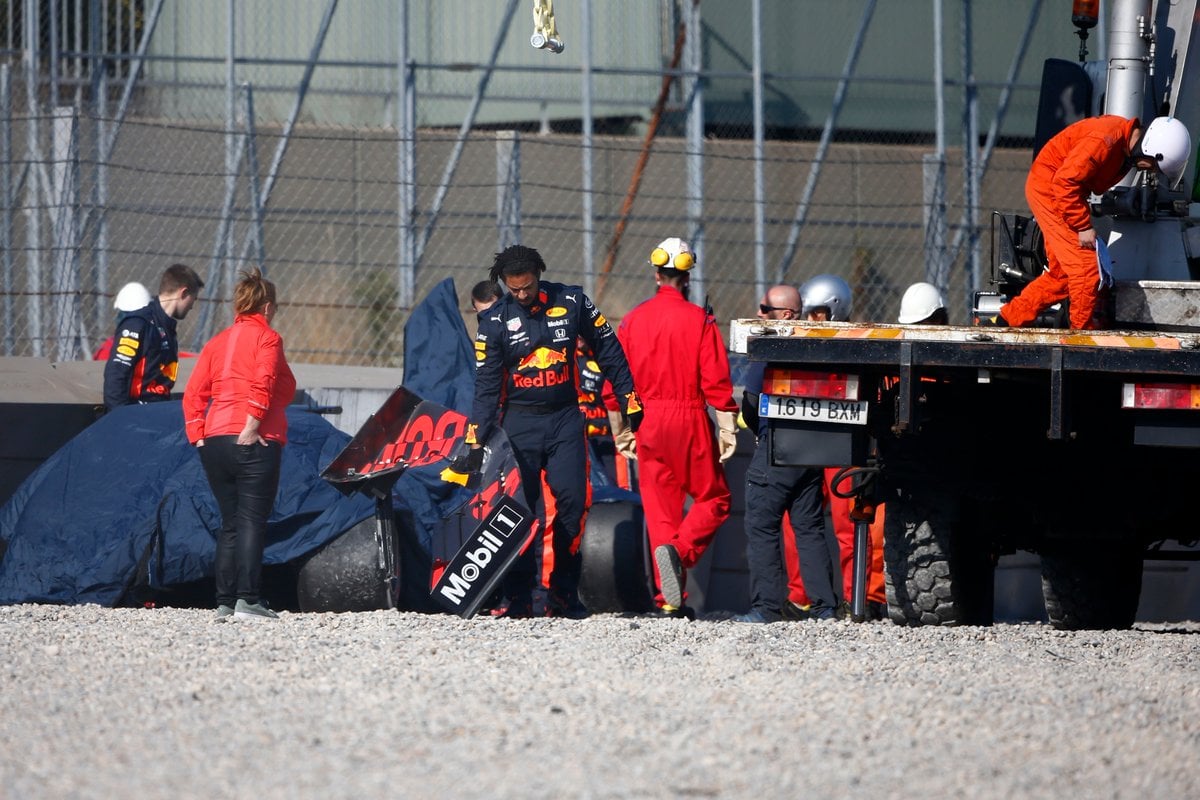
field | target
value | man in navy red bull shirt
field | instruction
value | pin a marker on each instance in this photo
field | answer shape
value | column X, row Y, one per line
column 525, row 355
column 144, row 360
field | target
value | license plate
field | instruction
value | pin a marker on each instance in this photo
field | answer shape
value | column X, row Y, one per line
column 853, row 412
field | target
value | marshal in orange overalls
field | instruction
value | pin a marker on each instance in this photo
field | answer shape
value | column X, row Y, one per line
column 1088, row 157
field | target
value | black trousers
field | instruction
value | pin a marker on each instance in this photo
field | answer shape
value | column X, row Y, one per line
column 557, row 443
column 243, row 480
column 769, row 492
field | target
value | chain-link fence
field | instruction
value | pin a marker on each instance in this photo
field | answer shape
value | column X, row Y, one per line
column 361, row 152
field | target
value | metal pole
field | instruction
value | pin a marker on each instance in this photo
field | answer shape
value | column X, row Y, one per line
column 79, row 49
column 406, row 161
column 508, row 189
column 64, row 282
column 934, row 168
column 994, row 130
column 814, row 172
column 33, row 228
column 232, row 141
column 589, row 215
column 263, row 196
column 6, row 201
column 109, row 144
column 208, row 314
column 463, row 131
column 98, row 34
column 54, row 51
column 695, row 157
column 134, row 69
column 256, row 234
column 103, row 313
column 760, row 211
column 970, row 154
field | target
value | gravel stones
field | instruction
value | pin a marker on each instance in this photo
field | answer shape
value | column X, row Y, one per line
column 101, row 702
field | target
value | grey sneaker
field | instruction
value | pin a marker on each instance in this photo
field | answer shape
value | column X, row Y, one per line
column 670, row 573
column 253, row 611
column 224, row 612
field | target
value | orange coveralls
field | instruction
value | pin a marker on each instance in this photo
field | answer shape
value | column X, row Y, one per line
column 679, row 366
column 1088, row 157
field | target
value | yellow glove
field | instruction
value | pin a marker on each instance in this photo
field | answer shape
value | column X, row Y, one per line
column 622, row 434
column 727, row 434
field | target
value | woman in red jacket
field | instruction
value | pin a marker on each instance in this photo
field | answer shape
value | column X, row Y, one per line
column 233, row 409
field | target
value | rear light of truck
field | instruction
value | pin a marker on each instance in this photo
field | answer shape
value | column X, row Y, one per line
column 804, row 383
column 1160, row 395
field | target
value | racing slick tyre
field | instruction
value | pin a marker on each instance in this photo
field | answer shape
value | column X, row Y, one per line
column 613, row 572
column 348, row 573
column 933, row 572
column 1091, row 586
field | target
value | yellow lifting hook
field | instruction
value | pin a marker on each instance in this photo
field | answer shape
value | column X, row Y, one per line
column 545, row 32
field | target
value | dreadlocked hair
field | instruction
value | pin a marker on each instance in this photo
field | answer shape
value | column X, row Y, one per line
column 514, row 260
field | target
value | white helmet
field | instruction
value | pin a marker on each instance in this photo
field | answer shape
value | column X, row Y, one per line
column 132, row 297
column 826, row 291
column 919, row 302
column 1166, row 140
column 673, row 253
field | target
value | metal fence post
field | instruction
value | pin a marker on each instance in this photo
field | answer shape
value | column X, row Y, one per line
column 6, row 202
column 255, row 235
column 406, row 167
column 937, row 270
column 839, row 97
column 760, row 203
column 970, row 128
column 586, row 154
column 64, row 194
column 33, row 228
column 233, row 145
column 464, row 131
column 508, row 189
column 695, row 149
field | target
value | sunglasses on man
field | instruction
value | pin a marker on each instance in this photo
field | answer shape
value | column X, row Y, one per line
column 766, row 309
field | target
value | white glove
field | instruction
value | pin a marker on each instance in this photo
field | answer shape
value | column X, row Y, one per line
column 1103, row 266
column 622, row 435
column 727, row 434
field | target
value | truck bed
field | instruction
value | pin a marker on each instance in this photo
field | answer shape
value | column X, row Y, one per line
column 908, row 352
column 851, row 344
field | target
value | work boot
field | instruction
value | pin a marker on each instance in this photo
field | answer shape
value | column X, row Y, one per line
column 255, row 612
column 671, row 612
column 565, row 605
column 670, row 573
column 514, row 608
column 793, row 612
column 822, row 613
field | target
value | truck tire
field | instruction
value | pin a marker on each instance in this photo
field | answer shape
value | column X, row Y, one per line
column 613, row 573
column 1088, row 586
column 346, row 574
column 933, row 573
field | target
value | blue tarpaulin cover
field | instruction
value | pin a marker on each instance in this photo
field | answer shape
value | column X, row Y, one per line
column 131, row 488
column 129, row 494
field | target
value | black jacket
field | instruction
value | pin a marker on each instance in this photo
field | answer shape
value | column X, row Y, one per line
column 144, row 360
column 526, row 357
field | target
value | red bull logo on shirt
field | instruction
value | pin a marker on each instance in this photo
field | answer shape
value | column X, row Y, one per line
column 549, row 368
column 542, row 358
